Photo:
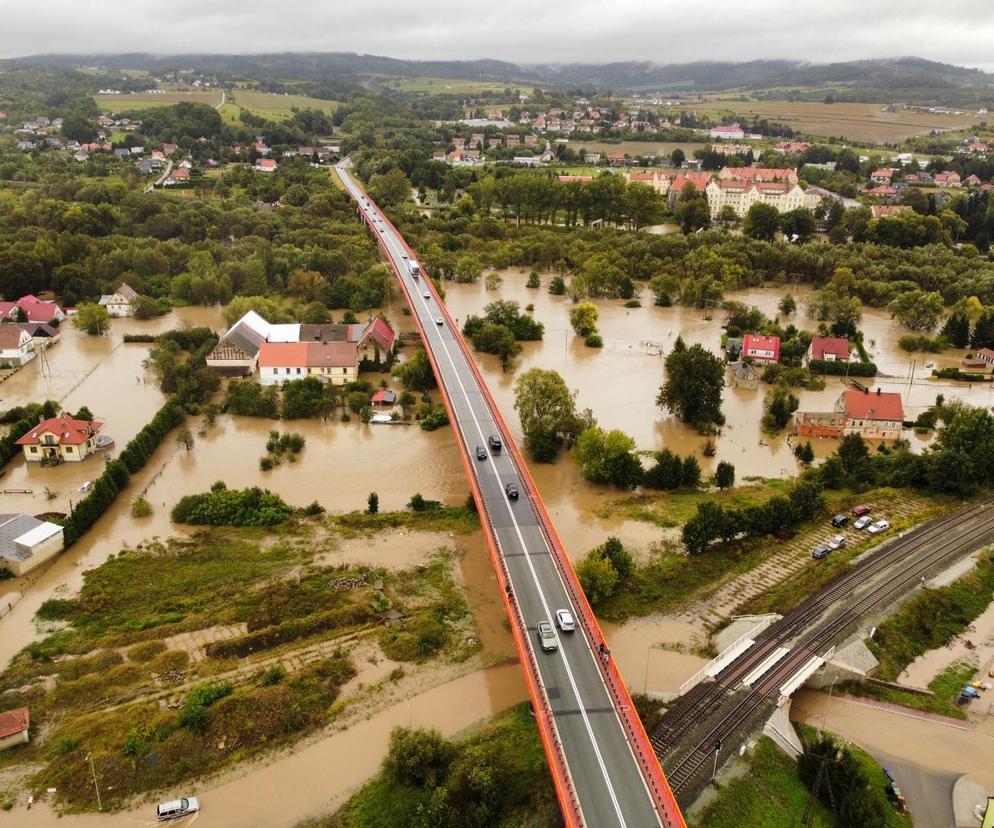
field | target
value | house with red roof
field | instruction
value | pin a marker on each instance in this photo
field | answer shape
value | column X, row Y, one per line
column 61, row 438
column 384, row 398
column 973, row 180
column 758, row 174
column 266, row 165
column 14, row 725
column 31, row 309
column 882, row 176
column 828, row 349
column 336, row 363
column 874, row 415
column 947, row 179
column 761, row 349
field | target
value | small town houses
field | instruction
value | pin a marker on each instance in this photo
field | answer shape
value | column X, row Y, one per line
column 874, row 415
column 760, row 349
column 283, row 352
column 31, row 309
column 16, row 346
column 121, row 301
column 61, row 438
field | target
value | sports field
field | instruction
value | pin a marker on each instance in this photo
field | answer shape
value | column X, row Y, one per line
column 869, row 122
column 277, row 107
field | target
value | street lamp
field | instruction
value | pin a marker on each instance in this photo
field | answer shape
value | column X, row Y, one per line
column 89, row 758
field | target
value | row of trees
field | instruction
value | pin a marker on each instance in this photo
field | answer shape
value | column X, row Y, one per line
column 222, row 506
column 118, row 472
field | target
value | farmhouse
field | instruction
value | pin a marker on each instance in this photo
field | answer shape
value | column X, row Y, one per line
column 266, row 165
column 26, row 543
column 121, row 301
column 16, row 346
column 61, row 438
column 828, row 348
column 31, row 309
column 237, row 351
column 877, row 416
column 332, row 362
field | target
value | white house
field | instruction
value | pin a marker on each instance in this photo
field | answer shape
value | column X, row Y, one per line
column 741, row 195
column 26, row 542
column 121, row 301
column 16, row 346
column 336, row 363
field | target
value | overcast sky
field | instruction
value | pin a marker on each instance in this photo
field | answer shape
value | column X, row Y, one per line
column 663, row 31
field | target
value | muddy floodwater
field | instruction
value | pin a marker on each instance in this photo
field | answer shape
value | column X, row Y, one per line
column 318, row 777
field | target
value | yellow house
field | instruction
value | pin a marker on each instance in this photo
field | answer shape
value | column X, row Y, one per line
column 61, row 438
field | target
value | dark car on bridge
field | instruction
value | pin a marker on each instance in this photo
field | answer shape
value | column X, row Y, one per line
column 481, row 453
column 511, row 490
column 495, row 443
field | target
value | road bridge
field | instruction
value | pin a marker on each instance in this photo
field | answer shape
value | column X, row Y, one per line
column 605, row 771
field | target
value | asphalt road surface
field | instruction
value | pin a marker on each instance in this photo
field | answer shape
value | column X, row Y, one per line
column 602, row 766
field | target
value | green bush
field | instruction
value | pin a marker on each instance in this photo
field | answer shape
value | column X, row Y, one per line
column 231, row 507
column 594, row 340
column 840, row 369
column 140, row 507
column 435, row 419
column 250, row 399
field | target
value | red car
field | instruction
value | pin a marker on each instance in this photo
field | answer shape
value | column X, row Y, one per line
column 859, row 511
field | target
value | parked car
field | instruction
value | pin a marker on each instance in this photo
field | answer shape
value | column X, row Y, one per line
column 547, row 636
column 176, row 808
column 840, row 520
column 863, row 522
column 879, row 526
column 564, row 618
column 820, row 552
column 481, row 453
column 494, row 441
column 511, row 490
column 859, row 511
column 837, row 542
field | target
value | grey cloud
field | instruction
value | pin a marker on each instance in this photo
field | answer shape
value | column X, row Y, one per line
column 956, row 31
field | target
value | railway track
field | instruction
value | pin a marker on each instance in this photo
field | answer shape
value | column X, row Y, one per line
column 979, row 520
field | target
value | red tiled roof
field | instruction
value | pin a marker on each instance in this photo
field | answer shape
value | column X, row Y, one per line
column 874, row 406
column 758, row 342
column 307, row 354
column 381, row 332
column 14, row 721
column 882, row 174
column 838, row 346
column 10, row 337
column 35, row 309
column 758, row 173
column 71, row 432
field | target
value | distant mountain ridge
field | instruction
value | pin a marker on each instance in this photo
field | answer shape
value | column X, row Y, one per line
column 904, row 78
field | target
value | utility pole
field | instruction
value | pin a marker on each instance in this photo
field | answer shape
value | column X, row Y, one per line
column 96, row 787
column 714, row 770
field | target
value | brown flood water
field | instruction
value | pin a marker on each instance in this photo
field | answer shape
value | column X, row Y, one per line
column 318, row 777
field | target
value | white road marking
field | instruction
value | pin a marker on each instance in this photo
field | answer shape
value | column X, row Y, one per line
column 391, row 243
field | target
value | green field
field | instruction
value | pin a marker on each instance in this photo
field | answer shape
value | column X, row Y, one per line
column 636, row 148
column 144, row 100
column 447, row 86
column 277, row 107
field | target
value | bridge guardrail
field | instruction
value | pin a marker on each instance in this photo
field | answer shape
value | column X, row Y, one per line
column 638, row 739
column 551, row 743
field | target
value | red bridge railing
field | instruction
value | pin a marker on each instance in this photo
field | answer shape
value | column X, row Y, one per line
column 652, row 772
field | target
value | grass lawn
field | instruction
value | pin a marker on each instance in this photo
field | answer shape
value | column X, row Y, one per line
column 932, row 618
column 144, row 100
column 273, row 106
column 448, row 86
column 97, row 684
column 770, row 796
column 946, row 686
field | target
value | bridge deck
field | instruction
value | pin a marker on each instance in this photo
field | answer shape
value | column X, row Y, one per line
column 605, row 771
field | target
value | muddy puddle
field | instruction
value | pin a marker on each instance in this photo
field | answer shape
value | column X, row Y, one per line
column 318, row 777
column 655, row 654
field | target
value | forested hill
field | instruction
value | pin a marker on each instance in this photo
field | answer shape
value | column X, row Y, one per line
column 908, row 78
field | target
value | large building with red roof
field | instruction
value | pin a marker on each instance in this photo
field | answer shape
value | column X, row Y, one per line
column 31, row 309
column 875, row 415
column 336, row 363
column 61, row 438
